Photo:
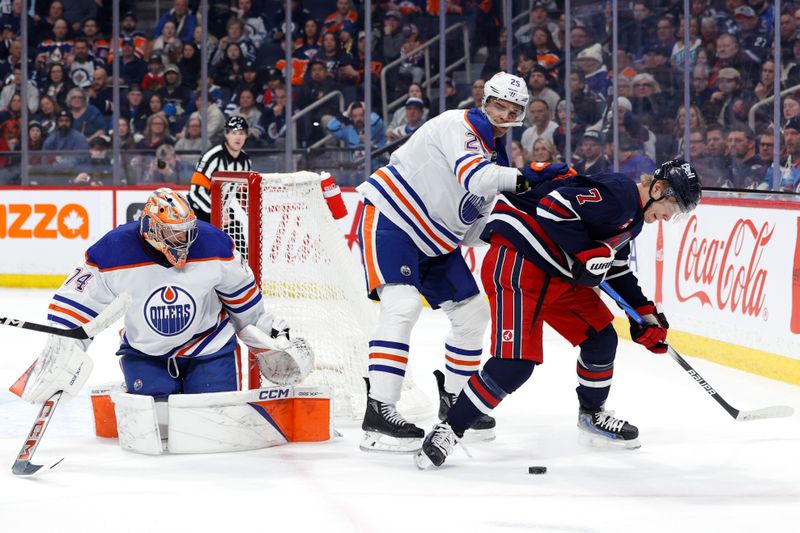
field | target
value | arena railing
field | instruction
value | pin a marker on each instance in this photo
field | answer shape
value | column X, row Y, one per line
column 429, row 80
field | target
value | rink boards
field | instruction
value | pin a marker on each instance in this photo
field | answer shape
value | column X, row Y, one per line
column 728, row 276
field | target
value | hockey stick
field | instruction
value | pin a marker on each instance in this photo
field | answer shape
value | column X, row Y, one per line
column 104, row 319
column 775, row 411
column 115, row 310
column 23, row 465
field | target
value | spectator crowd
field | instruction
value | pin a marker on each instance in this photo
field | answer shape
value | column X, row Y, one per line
column 70, row 103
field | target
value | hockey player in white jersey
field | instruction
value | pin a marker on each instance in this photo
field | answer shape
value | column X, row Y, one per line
column 192, row 293
column 431, row 198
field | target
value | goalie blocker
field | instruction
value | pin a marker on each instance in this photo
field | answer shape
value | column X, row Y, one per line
column 213, row 422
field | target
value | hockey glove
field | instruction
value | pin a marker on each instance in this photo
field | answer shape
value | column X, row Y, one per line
column 62, row 365
column 653, row 333
column 522, row 183
column 536, row 173
column 591, row 266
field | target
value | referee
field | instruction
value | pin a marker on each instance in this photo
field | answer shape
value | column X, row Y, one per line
column 227, row 156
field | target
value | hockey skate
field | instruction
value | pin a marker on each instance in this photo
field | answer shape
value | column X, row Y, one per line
column 482, row 429
column 601, row 429
column 385, row 430
column 438, row 444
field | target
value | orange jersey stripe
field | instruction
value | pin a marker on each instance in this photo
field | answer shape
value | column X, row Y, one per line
column 463, row 362
column 466, row 167
column 413, row 211
column 244, row 298
column 369, row 248
column 201, row 179
column 390, row 357
column 73, row 314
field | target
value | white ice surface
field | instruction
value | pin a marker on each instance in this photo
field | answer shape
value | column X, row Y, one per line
column 697, row 470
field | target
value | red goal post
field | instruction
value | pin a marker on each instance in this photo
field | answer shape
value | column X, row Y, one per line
column 283, row 227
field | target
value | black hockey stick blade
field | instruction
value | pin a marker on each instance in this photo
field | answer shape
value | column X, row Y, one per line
column 23, row 465
column 105, row 318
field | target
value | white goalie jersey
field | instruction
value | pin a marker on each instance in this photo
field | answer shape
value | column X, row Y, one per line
column 188, row 312
column 443, row 181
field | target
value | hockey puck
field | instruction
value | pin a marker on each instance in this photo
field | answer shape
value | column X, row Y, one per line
column 537, row 469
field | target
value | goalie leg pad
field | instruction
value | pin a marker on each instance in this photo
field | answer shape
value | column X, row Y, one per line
column 137, row 423
column 248, row 420
column 388, row 349
column 464, row 343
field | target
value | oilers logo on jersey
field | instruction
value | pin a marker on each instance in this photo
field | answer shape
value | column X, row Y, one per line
column 170, row 310
column 469, row 210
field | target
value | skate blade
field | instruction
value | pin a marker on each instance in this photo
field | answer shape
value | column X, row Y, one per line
column 479, row 435
column 423, row 462
column 378, row 442
column 598, row 441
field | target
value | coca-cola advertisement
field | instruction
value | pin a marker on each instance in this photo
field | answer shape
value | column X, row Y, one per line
column 730, row 271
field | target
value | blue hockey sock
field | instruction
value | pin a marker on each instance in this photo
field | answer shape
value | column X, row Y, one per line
column 486, row 389
column 596, row 368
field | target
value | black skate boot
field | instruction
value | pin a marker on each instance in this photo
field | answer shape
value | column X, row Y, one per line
column 599, row 428
column 483, row 428
column 438, row 444
column 385, row 430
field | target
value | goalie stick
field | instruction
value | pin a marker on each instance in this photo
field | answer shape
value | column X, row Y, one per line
column 775, row 411
column 104, row 319
column 23, row 465
column 115, row 310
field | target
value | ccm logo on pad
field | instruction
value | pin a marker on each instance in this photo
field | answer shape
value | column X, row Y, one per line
column 273, row 394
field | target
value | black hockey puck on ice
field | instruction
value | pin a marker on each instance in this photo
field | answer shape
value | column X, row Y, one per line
column 537, row 469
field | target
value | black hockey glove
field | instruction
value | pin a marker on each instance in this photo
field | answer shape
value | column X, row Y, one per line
column 591, row 266
column 522, row 184
column 653, row 334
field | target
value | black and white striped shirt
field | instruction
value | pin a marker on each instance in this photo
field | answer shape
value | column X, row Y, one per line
column 218, row 158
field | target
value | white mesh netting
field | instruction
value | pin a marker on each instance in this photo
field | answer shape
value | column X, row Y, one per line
column 310, row 278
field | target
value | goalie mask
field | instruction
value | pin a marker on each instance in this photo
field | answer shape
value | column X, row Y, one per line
column 169, row 225
column 509, row 88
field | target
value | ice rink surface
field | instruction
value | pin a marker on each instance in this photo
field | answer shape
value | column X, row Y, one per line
column 697, row 469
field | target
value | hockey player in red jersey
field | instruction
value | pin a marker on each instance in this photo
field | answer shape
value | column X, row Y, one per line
column 549, row 248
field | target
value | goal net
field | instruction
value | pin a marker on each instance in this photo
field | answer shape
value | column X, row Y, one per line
column 283, row 227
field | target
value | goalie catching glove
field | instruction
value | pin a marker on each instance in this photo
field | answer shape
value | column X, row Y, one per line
column 281, row 360
column 653, row 334
column 591, row 266
column 62, row 366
